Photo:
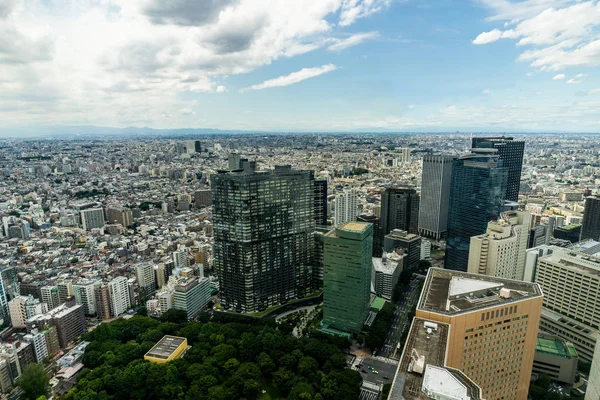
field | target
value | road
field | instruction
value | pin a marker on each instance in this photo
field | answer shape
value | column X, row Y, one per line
column 400, row 321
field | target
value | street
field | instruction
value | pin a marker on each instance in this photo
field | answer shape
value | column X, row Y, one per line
column 400, row 318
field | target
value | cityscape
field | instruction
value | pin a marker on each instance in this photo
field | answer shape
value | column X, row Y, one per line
column 299, row 200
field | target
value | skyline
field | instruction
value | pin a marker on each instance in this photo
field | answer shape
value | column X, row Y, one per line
column 334, row 65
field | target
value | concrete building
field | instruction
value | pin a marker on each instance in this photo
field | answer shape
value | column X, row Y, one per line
column 385, row 276
column 191, row 295
column 50, row 296
column 501, row 250
column 92, row 218
column 571, row 232
column 202, row 198
column 593, row 386
column 377, row 236
column 399, row 210
column 537, row 236
column 145, row 278
column 119, row 296
column 18, row 312
column 38, row 341
column 83, row 291
column 425, row 250
column 423, row 373
column 435, row 195
column 493, row 328
column 167, row 349
column 345, row 206
column 571, row 284
column 555, row 357
column 408, row 242
column 102, row 299
column 119, row 215
column 65, row 290
column 347, row 276
column 531, row 259
column 180, row 259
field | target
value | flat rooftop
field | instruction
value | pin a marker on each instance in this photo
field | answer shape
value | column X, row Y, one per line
column 165, row 347
column 452, row 292
column 407, row 384
column 555, row 347
column 358, row 227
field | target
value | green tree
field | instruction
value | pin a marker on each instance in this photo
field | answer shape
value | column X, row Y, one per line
column 265, row 363
column 33, row 381
column 284, row 379
column 173, row 315
column 308, row 366
column 251, row 389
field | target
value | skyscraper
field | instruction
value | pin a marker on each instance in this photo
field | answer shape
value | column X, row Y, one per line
column 591, row 219
column 263, row 225
column 435, row 195
column 347, row 276
column 501, row 250
column 119, row 296
column 493, row 328
column 346, row 206
column 377, row 236
column 477, row 194
column 399, row 210
column 321, row 202
column 511, row 153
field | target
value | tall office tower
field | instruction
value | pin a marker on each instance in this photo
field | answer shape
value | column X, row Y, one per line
column 65, row 290
column 145, row 278
column 197, row 146
column 347, row 276
column 346, row 206
column 119, row 215
column 377, row 236
column 493, row 328
column 118, row 291
column 202, row 198
column 593, row 385
column 477, row 196
column 408, row 242
column 531, row 260
column 501, row 250
column 320, row 203
column 84, row 295
column 571, row 284
column 591, row 219
column 406, row 154
column 159, row 275
column 92, row 218
column 435, row 195
column 102, row 299
column 263, row 226
column 233, row 161
column 550, row 225
column 511, row 153
column 399, row 210
column 4, row 314
column 50, row 296
column 191, row 295
column 317, row 257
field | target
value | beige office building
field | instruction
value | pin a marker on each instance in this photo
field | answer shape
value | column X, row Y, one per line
column 501, row 250
column 493, row 328
column 593, row 387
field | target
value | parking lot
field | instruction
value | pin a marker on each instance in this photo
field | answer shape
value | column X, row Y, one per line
column 384, row 369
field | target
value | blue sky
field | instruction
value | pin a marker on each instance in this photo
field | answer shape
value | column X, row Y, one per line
column 302, row 65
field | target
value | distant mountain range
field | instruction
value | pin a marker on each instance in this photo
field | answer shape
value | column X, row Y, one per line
column 86, row 131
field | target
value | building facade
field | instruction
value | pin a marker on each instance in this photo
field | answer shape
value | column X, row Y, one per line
column 435, row 196
column 408, row 242
column 477, row 195
column 345, row 206
column 263, row 227
column 400, row 210
column 591, row 219
column 347, row 276
column 92, row 218
column 191, row 295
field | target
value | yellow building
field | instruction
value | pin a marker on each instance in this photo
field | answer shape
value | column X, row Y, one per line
column 493, row 328
column 167, row 349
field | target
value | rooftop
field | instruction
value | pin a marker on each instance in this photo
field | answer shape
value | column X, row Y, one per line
column 165, row 347
column 555, row 346
column 387, row 267
column 430, row 348
column 358, row 227
column 452, row 292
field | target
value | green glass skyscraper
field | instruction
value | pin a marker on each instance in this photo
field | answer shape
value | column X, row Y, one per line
column 263, row 224
column 347, row 276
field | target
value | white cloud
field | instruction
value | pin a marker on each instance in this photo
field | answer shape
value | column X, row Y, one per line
column 294, row 77
column 594, row 91
column 558, row 77
column 487, row 91
column 411, row 106
column 93, row 61
column 573, row 81
column 563, row 33
column 353, row 40
column 580, row 75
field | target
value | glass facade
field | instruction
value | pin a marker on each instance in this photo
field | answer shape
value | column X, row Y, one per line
column 263, row 226
column 477, row 195
column 399, row 210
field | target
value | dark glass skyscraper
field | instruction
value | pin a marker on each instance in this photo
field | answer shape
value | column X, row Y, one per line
column 399, row 210
column 263, row 225
column 435, row 195
column 591, row 219
column 511, row 153
column 477, row 195
column 377, row 236
column 320, row 202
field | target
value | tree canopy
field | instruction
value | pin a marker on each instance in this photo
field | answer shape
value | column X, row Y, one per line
column 34, row 382
column 226, row 361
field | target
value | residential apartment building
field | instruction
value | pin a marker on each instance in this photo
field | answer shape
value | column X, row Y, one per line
column 385, row 276
column 92, row 218
column 345, row 206
column 118, row 291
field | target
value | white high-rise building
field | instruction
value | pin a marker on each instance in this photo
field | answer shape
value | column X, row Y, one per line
column 180, row 259
column 501, row 250
column 92, row 219
column 145, row 277
column 84, row 295
column 406, row 158
column 50, row 296
column 18, row 312
column 346, row 206
column 40, row 348
column 118, row 290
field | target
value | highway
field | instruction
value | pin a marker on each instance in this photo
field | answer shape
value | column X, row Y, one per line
column 402, row 308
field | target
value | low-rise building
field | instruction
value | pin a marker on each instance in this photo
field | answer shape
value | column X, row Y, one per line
column 555, row 357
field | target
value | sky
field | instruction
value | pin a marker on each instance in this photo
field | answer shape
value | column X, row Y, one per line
column 302, row 65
